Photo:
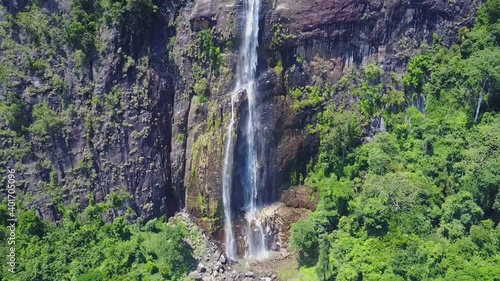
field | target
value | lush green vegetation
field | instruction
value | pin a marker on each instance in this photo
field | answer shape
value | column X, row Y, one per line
column 208, row 52
column 420, row 200
column 83, row 247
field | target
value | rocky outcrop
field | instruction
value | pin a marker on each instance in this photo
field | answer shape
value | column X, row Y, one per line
column 300, row 197
column 213, row 265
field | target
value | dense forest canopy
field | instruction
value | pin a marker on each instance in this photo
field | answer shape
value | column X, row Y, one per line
column 421, row 200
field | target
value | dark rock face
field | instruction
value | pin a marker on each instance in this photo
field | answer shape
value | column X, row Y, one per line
column 336, row 33
column 311, row 17
column 117, row 134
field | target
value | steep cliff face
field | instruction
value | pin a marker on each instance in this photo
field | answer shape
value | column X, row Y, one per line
column 328, row 35
column 96, row 94
column 145, row 110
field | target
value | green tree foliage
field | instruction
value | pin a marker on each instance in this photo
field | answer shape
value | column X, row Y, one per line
column 371, row 91
column 81, row 29
column 334, row 203
column 405, row 199
column 382, row 154
column 84, row 248
column 304, row 238
column 460, row 212
column 339, row 132
column 421, row 200
column 489, row 14
column 116, row 11
column 30, row 224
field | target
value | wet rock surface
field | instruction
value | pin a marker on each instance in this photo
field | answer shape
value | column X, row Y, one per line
column 212, row 263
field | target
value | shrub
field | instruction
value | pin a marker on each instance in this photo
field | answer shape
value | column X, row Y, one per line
column 47, row 122
column 37, row 66
column 200, row 87
column 207, row 49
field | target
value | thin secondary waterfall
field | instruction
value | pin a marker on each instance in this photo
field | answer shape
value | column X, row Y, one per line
column 226, row 188
column 245, row 81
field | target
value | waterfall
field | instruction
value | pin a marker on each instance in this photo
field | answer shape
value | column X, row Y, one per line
column 230, row 242
column 245, row 81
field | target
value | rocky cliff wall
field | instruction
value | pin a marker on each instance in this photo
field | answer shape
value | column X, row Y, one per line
column 105, row 125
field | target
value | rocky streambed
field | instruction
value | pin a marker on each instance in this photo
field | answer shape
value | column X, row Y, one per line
column 213, row 265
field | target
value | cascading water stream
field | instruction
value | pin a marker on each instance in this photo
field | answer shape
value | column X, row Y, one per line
column 226, row 187
column 245, row 81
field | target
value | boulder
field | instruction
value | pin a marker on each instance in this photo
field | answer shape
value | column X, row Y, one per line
column 201, row 268
column 195, row 276
column 300, row 197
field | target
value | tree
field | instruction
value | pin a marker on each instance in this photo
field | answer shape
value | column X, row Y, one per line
column 400, row 197
column 489, row 13
column 304, row 238
column 460, row 212
column 339, row 132
column 481, row 163
column 483, row 71
column 383, row 154
column 30, row 224
column 324, row 268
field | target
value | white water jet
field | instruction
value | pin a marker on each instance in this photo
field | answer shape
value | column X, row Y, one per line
column 245, row 81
